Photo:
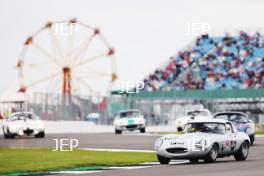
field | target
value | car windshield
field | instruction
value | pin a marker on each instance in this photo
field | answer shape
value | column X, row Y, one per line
column 23, row 116
column 129, row 114
column 205, row 127
column 235, row 118
column 196, row 113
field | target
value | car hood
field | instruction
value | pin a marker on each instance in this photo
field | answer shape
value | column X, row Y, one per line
column 187, row 118
column 130, row 121
column 32, row 124
column 185, row 140
column 188, row 136
column 18, row 124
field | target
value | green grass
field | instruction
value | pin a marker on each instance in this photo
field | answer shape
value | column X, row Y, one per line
column 260, row 132
column 28, row 160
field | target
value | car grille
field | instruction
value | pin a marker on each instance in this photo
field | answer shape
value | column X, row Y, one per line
column 28, row 131
column 177, row 150
column 131, row 126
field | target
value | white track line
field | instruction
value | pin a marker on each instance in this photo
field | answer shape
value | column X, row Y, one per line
column 118, row 150
column 141, row 166
column 75, row 172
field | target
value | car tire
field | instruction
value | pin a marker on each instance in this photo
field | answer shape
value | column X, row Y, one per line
column 163, row 160
column 118, row 131
column 40, row 135
column 212, row 154
column 179, row 129
column 5, row 135
column 142, row 130
column 252, row 139
column 242, row 153
column 11, row 136
column 194, row 160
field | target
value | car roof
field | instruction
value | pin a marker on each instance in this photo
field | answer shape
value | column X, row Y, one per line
column 199, row 110
column 129, row 110
column 229, row 112
column 209, row 121
column 15, row 113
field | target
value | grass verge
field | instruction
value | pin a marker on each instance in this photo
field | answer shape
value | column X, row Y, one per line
column 260, row 132
column 39, row 160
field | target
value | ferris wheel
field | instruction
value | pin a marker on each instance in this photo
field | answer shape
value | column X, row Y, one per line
column 67, row 57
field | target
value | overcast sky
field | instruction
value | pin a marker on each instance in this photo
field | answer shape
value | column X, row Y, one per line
column 145, row 33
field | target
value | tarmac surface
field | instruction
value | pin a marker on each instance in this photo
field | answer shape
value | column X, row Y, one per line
column 253, row 166
column 128, row 140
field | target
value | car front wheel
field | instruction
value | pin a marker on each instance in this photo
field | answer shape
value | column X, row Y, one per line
column 10, row 135
column 118, row 131
column 163, row 160
column 242, row 153
column 40, row 135
column 5, row 135
column 212, row 154
column 142, row 130
column 252, row 139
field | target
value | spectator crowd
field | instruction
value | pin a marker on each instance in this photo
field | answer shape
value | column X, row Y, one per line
column 229, row 62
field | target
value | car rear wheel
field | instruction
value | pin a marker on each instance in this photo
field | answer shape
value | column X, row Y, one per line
column 212, row 154
column 142, row 130
column 163, row 160
column 242, row 153
column 118, row 131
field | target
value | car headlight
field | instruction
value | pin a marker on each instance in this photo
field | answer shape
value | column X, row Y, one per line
column 120, row 123
column 249, row 130
column 202, row 144
column 158, row 143
column 12, row 128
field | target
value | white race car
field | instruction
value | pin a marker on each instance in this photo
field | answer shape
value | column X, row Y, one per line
column 129, row 120
column 193, row 114
column 23, row 123
column 206, row 140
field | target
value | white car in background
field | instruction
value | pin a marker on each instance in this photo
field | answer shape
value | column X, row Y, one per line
column 204, row 139
column 23, row 123
column 129, row 120
column 190, row 115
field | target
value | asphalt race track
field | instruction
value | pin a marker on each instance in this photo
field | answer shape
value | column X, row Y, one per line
column 253, row 166
column 101, row 141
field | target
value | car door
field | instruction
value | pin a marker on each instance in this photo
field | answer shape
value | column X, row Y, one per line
column 230, row 141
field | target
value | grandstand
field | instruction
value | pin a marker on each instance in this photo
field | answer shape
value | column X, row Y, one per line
column 210, row 63
column 219, row 73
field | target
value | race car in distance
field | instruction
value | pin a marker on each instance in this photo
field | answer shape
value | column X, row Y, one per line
column 129, row 120
column 23, row 123
column 193, row 114
column 241, row 122
column 204, row 139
